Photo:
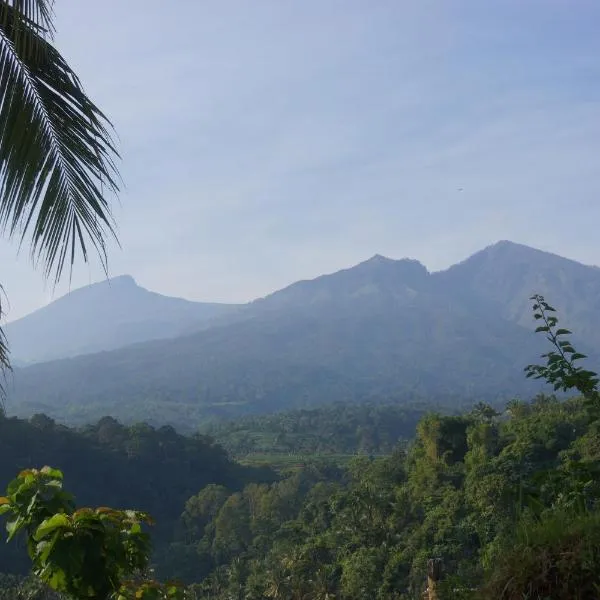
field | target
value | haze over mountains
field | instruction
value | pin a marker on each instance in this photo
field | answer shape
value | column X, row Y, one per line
column 383, row 329
column 105, row 316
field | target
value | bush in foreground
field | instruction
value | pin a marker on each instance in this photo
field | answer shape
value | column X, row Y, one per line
column 557, row 557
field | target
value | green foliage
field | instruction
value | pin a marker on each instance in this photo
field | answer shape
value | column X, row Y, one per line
column 458, row 491
column 154, row 470
column 338, row 428
column 150, row 590
column 555, row 552
column 561, row 369
column 33, row 498
column 507, row 499
column 85, row 553
column 556, row 557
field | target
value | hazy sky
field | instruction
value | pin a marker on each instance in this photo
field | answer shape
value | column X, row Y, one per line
column 264, row 141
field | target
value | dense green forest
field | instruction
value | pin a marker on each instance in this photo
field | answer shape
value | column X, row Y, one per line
column 367, row 532
column 457, row 492
column 483, row 505
column 339, row 428
column 153, row 470
column 157, row 470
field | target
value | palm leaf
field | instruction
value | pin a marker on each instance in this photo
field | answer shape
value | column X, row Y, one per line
column 36, row 12
column 57, row 158
column 4, row 356
column 56, row 152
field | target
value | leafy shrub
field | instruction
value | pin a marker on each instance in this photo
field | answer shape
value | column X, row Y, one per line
column 86, row 553
column 557, row 558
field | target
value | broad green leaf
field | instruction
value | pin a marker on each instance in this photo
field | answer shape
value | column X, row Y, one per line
column 44, row 548
column 49, row 525
column 14, row 526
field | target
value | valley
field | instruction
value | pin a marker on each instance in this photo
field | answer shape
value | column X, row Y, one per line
column 264, row 334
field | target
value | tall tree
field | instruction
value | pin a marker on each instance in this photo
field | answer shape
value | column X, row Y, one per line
column 57, row 156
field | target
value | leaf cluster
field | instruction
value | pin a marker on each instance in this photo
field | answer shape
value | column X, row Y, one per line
column 150, row 590
column 84, row 553
column 560, row 370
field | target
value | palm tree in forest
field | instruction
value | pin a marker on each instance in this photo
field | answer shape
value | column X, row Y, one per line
column 57, row 157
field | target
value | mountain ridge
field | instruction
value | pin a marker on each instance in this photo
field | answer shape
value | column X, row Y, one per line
column 383, row 329
column 104, row 316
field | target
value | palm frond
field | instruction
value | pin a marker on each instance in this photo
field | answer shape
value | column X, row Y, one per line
column 34, row 12
column 4, row 356
column 57, row 157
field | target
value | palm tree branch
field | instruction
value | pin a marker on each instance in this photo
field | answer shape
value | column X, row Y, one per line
column 57, row 157
column 24, row 15
column 36, row 13
column 4, row 356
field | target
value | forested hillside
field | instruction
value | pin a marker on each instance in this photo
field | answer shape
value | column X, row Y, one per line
column 483, row 505
column 457, row 493
column 480, row 490
column 108, row 464
column 339, row 428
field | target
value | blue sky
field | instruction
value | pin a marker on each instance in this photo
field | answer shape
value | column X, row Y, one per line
column 267, row 141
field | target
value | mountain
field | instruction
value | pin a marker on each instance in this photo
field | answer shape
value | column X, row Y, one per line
column 377, row 279
column 382, row 330
column 506, row 274
column 104, row 316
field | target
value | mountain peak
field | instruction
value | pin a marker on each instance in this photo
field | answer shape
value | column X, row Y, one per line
column 120, row 280
column 108, row 285
column 379, row 265
column 123, row 279
column 383, row 328
column 510, row 251
column 105, row 315
column 378, row 258
column 507, row 245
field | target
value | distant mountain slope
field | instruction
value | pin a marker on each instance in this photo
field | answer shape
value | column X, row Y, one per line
column 383, row 330
column 372, row 281
column 104, row 316
column 507, row 274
